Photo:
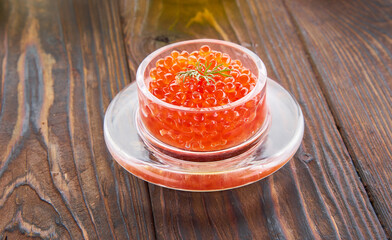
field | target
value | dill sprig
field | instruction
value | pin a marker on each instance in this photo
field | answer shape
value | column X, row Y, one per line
column 207, row 74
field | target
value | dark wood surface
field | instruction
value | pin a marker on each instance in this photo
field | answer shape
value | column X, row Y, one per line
column 61, row 62
column 353, row 64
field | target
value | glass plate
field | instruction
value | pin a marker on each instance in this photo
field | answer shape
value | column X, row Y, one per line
column 144, row 161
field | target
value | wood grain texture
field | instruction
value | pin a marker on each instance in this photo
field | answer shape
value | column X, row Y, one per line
column 61, row 62
column 350, row 45
column 318, row 195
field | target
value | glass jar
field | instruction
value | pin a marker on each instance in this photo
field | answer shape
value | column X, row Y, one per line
column 208, row 132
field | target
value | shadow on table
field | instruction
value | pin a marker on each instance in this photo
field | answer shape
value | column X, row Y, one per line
column 246, row 212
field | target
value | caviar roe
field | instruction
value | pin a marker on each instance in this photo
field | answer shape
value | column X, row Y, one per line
column 202, row 130
column 236, row 82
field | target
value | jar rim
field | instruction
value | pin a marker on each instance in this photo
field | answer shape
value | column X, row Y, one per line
column 260, row 84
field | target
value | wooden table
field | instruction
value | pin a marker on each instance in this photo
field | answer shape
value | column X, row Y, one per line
column 61, row 63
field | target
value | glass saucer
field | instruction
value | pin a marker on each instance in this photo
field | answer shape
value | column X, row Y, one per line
column 144, row 161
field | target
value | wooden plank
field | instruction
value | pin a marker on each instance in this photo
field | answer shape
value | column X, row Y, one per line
column 318, row 195
column 350, row 44
column 61, row 62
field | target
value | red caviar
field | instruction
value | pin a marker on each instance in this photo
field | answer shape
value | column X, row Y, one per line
column 200, row 80
column 220, row 89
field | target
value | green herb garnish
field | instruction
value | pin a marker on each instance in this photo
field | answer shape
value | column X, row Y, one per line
column 207, row 74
